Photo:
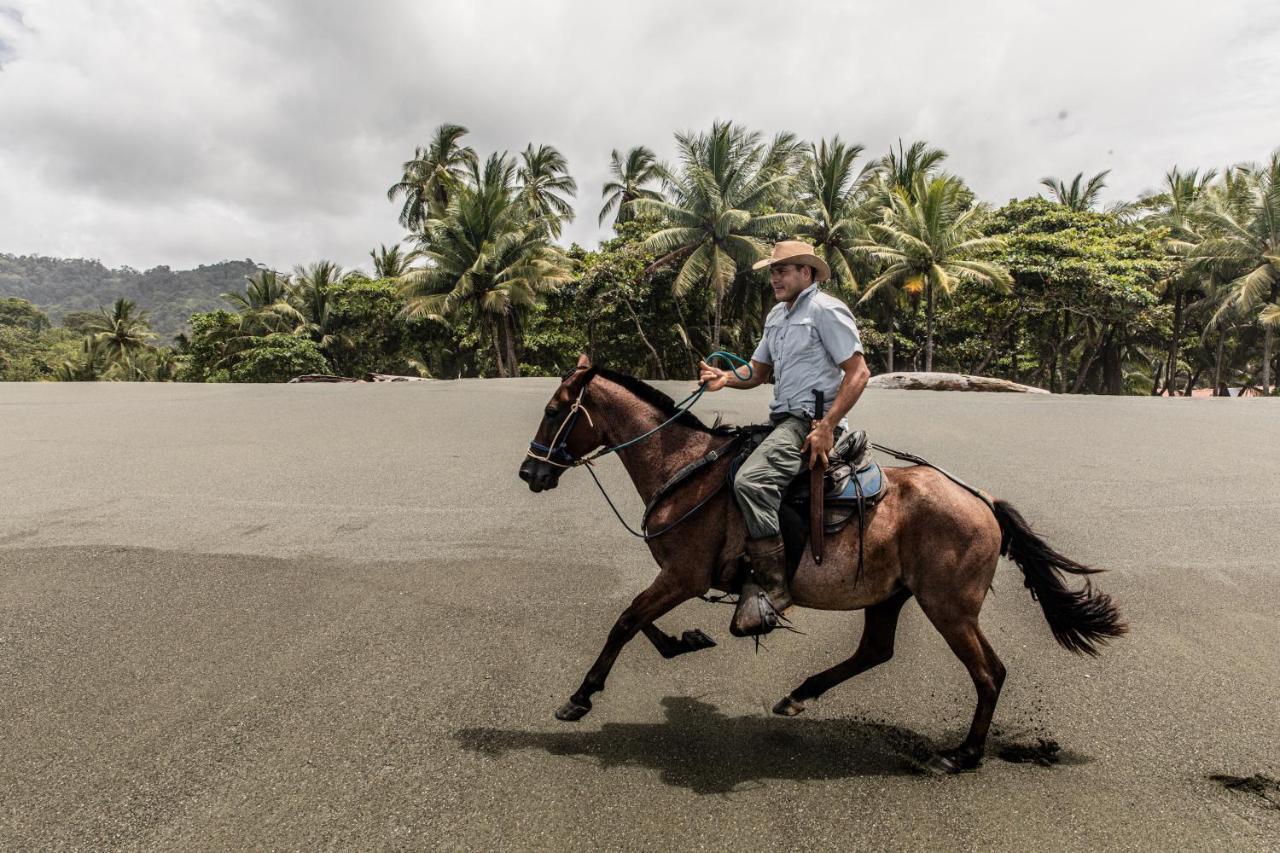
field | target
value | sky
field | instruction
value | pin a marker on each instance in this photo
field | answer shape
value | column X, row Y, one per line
column 192, row 132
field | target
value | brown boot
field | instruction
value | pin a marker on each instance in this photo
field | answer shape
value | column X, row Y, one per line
column 764, row 595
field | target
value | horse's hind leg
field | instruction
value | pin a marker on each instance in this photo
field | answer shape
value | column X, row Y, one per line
column 965, row 638
column 669, row 646
column 875, row 648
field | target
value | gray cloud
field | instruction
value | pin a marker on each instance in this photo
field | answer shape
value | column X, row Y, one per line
column 143, row 134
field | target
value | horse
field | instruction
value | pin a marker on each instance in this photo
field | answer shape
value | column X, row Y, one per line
column 928, row 538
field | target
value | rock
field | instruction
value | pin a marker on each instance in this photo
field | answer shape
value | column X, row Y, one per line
column 948, row 382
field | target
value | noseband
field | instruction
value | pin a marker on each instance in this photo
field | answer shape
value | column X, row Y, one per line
column 557, row 450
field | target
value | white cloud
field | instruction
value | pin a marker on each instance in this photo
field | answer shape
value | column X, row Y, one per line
column 188, row 133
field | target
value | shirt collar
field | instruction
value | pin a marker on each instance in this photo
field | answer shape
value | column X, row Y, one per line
column 804, row 295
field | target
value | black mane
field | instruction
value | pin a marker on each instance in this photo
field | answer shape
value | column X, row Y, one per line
column 658, row 400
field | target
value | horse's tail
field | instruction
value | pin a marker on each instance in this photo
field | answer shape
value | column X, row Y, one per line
column 1081, row 620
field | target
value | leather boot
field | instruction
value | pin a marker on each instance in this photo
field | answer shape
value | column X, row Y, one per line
column 764, row 594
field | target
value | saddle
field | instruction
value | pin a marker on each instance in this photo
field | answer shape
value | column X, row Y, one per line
column 852, row 486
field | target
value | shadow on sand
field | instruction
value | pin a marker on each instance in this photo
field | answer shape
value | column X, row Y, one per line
column 700, row 749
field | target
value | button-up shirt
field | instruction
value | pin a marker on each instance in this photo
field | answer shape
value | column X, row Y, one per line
column 806, row 345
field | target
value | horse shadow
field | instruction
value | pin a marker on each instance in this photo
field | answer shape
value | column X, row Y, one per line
column 698, row 748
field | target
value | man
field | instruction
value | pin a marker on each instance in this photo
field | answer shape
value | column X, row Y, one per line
column 810, row 343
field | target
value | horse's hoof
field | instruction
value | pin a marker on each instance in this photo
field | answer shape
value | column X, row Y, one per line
column 571, row 711
column 788, row 707
column 940, row 765
column 696, row 640
column 953, row 761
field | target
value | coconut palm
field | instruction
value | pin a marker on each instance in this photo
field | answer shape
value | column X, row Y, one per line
column 1076, row 196
column 899, row 170
column 929, row 242
column 264, row 307
column 1245, row 249
column 432, row 174
column 487, row 259
column 1178, row 207
column 547, row 187
column 715, row 225
column 121, row 333
column 311, row 295
column 833, row 196
column 391, row 261
column 630, row 174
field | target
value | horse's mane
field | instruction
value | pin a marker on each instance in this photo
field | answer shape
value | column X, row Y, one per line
column 658, row 400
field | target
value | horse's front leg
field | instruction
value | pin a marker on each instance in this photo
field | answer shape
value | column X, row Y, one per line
column 661, row 596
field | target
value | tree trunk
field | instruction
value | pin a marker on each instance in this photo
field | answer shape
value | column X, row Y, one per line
column 1172, row 367
column 653, row 353
column 1091, row 353
column 495, row 335
column 1192, row 379
column 892, row 323
column 1267, row 335
column 1112, row 366
column 1217, row 363
column 995, row 343
column 513, row 361
column 928, row 335
column 715, row 331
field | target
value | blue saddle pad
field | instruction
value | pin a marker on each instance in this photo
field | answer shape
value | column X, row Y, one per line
column 869, row 480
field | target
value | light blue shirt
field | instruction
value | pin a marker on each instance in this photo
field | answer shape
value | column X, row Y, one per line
column 806, row 345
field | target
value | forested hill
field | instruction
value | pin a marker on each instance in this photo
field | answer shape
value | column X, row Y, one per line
column 58, row 285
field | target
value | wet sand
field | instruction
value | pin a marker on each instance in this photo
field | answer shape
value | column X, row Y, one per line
column 302, row 617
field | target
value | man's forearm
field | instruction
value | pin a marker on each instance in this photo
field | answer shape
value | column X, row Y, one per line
column 760, row 374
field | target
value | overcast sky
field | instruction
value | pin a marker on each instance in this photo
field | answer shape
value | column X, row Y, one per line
column 187, row 133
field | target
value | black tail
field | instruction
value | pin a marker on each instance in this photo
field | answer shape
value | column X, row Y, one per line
column 1081, row 620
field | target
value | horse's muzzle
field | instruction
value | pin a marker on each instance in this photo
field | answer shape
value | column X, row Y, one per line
column 540, row 475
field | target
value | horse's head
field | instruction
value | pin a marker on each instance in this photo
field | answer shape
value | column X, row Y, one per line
column 565, row 435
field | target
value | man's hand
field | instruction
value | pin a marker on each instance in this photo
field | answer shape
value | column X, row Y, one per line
column 713, row 377
column 819, row 442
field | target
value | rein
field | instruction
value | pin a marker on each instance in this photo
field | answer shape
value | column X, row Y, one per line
column 558, row 450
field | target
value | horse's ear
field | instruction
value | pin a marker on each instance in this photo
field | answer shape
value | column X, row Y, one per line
column 584, row 363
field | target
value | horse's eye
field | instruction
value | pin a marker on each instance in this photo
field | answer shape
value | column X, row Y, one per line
column 551, row 412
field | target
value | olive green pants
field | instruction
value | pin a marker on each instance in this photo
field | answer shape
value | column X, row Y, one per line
column 770, row 468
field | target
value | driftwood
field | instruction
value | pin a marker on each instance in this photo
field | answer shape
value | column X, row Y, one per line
column 368, row 377
column 948, row 382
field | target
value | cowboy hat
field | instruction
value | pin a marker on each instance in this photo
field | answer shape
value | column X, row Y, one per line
column 796, row 252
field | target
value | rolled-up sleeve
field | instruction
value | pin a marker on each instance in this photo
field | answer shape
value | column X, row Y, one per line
column 838, row 331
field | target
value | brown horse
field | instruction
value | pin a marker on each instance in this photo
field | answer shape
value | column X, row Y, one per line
column 928, row 537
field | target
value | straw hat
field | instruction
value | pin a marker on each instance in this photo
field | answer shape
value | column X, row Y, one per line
column 796, row 252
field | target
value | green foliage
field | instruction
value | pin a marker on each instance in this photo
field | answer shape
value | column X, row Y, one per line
column 277, row 357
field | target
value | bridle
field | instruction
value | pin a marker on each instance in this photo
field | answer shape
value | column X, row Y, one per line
column 557, row 452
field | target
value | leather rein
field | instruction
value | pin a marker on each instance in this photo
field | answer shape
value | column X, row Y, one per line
column 557, row 454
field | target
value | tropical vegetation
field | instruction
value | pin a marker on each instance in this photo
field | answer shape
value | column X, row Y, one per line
column 1172, row 291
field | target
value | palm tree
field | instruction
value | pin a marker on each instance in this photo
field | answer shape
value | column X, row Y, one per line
column 432, row 175
column 264, row 306
column 1245, row 249
column 930, row 242
column 837, row 209
column 487, row 258
column 547, row 187
column 899, row 170
column 312, row 298
column 715, row 224
column 640, row 166
column 1077, row 197
column 120, row 334
column 390, row 262
column 1178, row 207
